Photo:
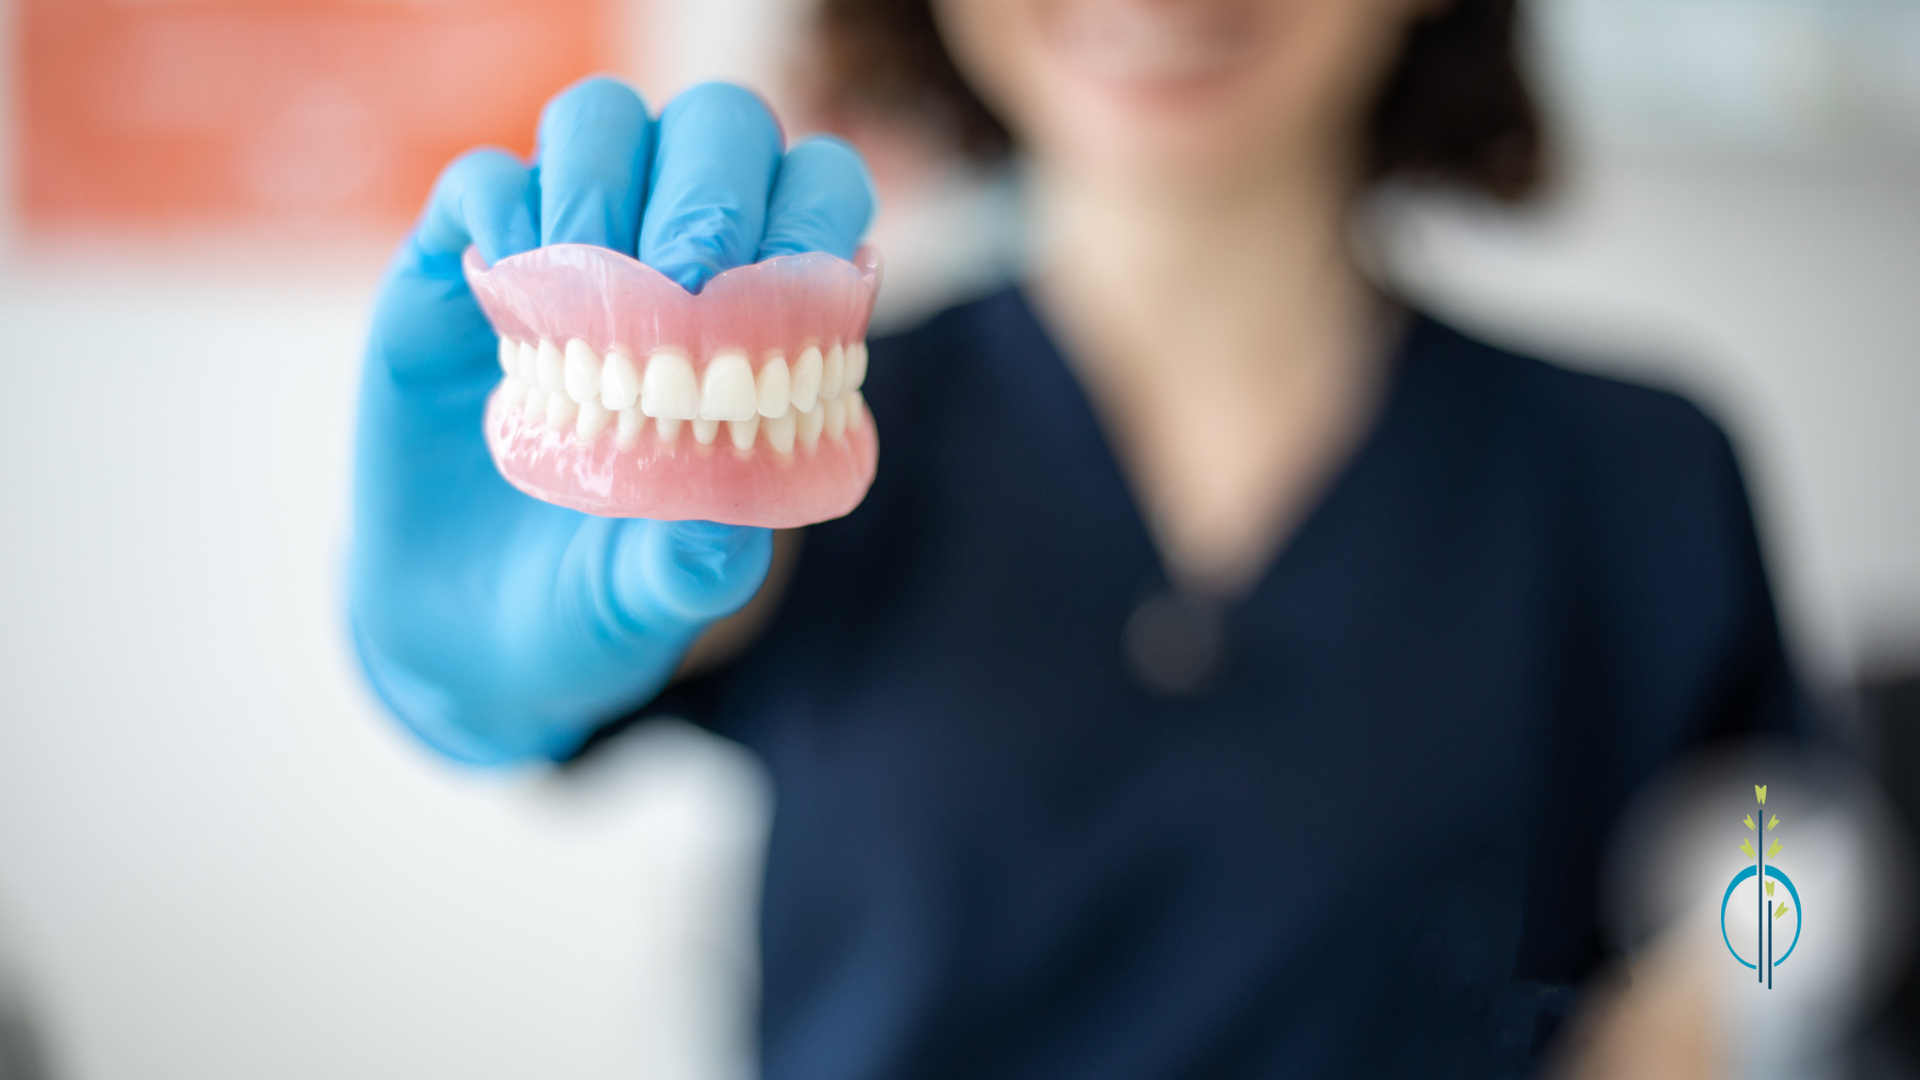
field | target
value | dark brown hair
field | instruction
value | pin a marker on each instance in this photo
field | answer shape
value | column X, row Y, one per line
column 1455, row 108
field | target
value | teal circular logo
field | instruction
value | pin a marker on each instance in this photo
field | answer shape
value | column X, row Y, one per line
column 1775, row 874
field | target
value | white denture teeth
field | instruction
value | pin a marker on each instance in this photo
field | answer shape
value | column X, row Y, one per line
column 561, row 411
column 619, row 381
column 705, row 431
column 856, row 410
column 856, row 365
column 774, row 387
column 512, row 392
column 594, row 419
column 667, row 390
column 806, row 379
column 780, row 431
column 809, row 425
column 509, row 357
column 836, row 422
column 535, row 403
column 742, row 432
column 552, row 367
column 833, row 374
column 668, row 427
column 529, row 364
column 727, row 392
column 583, row 371
column 631, row 421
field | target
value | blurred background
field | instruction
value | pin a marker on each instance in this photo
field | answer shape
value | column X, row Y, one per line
column 219, row 860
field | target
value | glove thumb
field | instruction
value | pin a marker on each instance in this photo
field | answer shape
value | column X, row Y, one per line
column 687, row 572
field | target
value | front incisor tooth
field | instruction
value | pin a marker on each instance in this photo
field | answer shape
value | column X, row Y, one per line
column 727, row 392
column 836, row 424
column 775, row 387
column 809, row 426
column 704, row 431
column 780, row 431
column 668, row 391
column 594, row 419
column 529, row 363
column 856, row 365
column 551, row 367
column 628, row 434
column 743, row 431
column 509, row 356
column 806, row 379
column 619, row 381
column 833, row 375
column 583, row 371
column 561, row 410
column 668, row 427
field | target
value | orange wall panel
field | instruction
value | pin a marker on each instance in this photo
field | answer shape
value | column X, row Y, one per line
column 262, row 113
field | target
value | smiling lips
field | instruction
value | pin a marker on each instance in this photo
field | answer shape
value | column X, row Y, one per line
column 595, row 344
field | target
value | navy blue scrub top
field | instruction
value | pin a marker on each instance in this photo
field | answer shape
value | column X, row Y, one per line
column 1366, row 847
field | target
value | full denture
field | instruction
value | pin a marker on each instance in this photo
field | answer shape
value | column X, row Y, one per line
column 594, row 345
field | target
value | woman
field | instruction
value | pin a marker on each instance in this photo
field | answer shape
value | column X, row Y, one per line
column 1229, row 673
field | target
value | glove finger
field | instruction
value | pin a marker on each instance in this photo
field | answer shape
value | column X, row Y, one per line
column 822, row 200
column 687, row 572
column 595, row 139
column 484, row 198
column 713, row 169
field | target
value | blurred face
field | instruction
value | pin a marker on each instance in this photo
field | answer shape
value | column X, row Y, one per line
column 1181, row 92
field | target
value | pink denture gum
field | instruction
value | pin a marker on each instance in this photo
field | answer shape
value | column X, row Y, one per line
column 627, row 396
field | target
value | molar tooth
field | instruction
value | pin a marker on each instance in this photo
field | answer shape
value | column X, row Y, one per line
column 743, row 431
column 594, row 419
column 583, row 371
column 668, row 427
column 856, row 410
column 809, row 426
column 705, row 430
column 619, row 381
column 552, row 367
column 512, row 392
column 833, row 375
column 775, row 387
column 509, row 356
column 856, row 365
column 780, row 431
column 560, row 411
column 535, row 403
column 727, row 392
column 806, row 379
column 631, row 420
column 836, row 424
column 667, row 390
column 529, row 364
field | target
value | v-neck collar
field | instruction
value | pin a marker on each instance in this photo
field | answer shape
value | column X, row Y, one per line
column 1083, row 458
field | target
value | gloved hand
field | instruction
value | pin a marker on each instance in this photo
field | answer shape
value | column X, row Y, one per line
column 497, row 627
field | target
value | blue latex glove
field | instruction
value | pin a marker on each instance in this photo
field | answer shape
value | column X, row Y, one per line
column 497, row 627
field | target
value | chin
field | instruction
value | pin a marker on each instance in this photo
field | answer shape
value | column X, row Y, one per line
column 1185, row 134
